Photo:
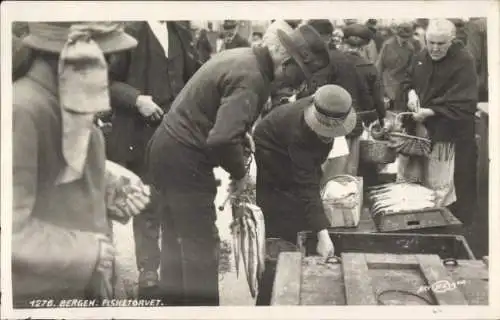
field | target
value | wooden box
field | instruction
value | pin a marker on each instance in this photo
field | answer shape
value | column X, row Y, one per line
column 431, row 218
column 379, row 279
column 345, row 216
column 443, row 245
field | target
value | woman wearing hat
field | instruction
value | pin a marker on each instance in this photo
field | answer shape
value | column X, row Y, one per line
column 292, row 143
column 60, row 236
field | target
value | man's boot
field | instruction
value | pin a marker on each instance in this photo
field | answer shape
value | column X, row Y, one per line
column 148, row 285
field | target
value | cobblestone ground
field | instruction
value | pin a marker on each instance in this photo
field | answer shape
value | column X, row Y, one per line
column 233, row 290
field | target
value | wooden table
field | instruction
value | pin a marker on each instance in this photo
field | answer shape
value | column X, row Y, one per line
column 361, row 279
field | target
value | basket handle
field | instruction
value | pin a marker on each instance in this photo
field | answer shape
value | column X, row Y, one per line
column 406, row 113
column 402, row 135
column 345, row 176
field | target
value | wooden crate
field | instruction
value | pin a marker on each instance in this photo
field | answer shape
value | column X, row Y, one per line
column 431, row 218
column 374, row 279
column 341, row 216
column 444, row 245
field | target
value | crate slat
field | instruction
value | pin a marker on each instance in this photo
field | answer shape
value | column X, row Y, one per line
column 287, row 283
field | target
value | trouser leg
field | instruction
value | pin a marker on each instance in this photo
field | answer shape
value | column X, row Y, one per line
column 194, row 220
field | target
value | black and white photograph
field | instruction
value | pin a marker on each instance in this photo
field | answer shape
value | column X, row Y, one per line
column 266, row 155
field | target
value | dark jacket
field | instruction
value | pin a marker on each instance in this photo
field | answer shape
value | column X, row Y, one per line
column 449, row 87
column 342, row 72
column 368, row 74
column 219, row 105
column 146, row 71
column 289, row 156
column 237, row 42
column 54, row 244
column 392, row 63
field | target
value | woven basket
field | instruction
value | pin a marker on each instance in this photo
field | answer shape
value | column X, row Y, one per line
column 409, row 145
column 376, row 151
column 347, row 212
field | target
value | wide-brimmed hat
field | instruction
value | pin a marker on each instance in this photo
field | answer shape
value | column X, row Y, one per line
column 307, row 48
column 52, row 36
column 331, row 114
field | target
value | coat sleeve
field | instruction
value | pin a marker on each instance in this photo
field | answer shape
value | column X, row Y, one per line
column 307, row 176
column 238, row 110
column 39, row 246
column 459, row 101
column 122, row 95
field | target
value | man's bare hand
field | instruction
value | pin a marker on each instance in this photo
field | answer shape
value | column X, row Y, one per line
column 148, row 108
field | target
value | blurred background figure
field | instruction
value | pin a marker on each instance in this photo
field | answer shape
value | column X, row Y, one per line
column 370, row 51
column 337, row 37
column 325, row 29
column 394, row 59
column 257, row 39
column 230, row 36
column 477, row 46
column 203, row 45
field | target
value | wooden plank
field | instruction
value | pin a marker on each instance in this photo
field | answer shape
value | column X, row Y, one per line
column 469, row 270
column 391, row 261
column 286, row 289
column 322, row 283
column 358, row 286
column 435, row 274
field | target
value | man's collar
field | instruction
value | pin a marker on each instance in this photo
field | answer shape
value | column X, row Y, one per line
column 265, row 61
column 42, row 73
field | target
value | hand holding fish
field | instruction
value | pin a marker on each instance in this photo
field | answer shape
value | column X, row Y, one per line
column 126, row 195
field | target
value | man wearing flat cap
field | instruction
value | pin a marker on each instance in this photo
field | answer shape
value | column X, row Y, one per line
column 206, row 128
column 231, row 38
column 61, row 245
column 291, row 144
column 393, row 60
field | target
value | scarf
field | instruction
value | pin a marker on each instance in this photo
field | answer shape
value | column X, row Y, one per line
column 83, row 92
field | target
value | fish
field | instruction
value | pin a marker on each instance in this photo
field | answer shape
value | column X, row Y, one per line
column 249, row 242
column 244, row 243
column 252, row 258
column 235, row 232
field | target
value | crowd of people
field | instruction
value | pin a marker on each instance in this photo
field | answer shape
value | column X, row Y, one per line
column 178, row 108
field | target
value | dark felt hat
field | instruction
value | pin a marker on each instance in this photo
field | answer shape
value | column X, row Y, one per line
column 323, row 26
column 307, row 48
column 229, row 24
column 357, row 34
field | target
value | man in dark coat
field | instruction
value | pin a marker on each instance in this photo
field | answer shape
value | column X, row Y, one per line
column 205, row 128
column 291, row 144
column 394, row 59
column 356, row 36
column 231, row 37
column 444, row 99
column 146, row 82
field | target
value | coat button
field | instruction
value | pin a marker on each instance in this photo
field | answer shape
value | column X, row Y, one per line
column 131, row 148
